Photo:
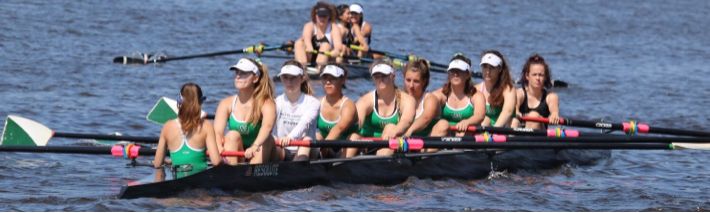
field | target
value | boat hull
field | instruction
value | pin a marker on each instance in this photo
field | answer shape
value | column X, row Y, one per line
column 457, row 164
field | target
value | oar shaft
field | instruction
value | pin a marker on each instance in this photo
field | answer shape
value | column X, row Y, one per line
column 93, row 150
column 640, row 127
column 141, row 139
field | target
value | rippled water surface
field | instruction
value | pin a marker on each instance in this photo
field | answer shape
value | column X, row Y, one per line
column 644, row 60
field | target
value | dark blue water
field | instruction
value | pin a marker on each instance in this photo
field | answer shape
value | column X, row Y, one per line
column 643, row 60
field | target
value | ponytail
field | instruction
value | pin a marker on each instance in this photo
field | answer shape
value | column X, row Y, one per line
column 263, row 91
column 190, row 107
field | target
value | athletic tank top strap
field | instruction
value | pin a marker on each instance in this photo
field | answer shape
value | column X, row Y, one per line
column 541, row 108
column 454, row 115
column 374, row 107
column 247, row 131
column 420, row 109
column 328, row 37
column 186, row 159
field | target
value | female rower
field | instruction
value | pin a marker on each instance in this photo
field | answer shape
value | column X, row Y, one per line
column 534, row 99
column 337, row 119
column 360, row 30
column 296, row 112
column 462, row 105
column 187, row 137
column 497, row 88
column 249, row 115
column 385, row 112
column 416, row 80
column 343, row 22
column 321, row 34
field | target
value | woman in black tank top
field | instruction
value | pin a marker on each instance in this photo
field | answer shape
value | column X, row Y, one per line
column 534, row 99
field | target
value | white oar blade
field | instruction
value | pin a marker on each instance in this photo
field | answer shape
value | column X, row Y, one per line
column 164, row 110
column 21, row 131
column 700, row 146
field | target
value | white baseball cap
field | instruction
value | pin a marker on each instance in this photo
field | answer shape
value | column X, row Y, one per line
column 355, row 8
column 382, row 68
column 246, row 65
column 333, row 70
column 290, row 69
column 491, row 59
column 459, row 64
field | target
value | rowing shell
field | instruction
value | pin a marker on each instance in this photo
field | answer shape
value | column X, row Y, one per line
column 459, row 164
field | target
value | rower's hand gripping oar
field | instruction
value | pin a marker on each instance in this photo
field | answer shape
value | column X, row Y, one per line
column 630, row 128
column 148, row 59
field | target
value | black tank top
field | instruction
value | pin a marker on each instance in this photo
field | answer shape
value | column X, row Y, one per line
column 541, row 108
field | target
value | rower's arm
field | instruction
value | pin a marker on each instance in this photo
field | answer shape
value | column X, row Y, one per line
column 364, row 107
column 408, row 112
column 220, row 122
column 337, row 40
column 519, row 99
column 479, row 109
column 348, row 115
column 268, row 118
column 366, row 30
column 307, row 36
column 553, row 104
column 431, row 104
column 160, row 150
column 360, row 38
column 509, row 100
column 211, row 144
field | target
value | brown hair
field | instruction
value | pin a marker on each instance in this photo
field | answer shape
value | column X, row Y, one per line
column 504, row 80
column 263, row 91
column 420, row 66
column 305, row 85
column 469, row 89
column 190, row 107
column 536, row 59
column 322, row 4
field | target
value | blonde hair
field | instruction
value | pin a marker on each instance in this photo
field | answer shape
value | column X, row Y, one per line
column 263, row 91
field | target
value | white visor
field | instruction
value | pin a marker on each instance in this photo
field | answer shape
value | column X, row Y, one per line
column 491, row 59
column 290, row 70
column 382, row 68
column 333, row 70
column 355, row 8
column 246, row 65
column 459, row 64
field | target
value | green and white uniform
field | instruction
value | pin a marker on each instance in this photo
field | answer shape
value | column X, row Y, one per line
column 324, row 125
column 491, row 112
column 427, row 130
column 248, row 131
column 375, row 124
column 186, row 159
column 455, row 115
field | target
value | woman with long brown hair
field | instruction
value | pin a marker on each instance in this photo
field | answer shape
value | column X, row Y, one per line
column 462, row 104
column 321, row 34
column 296, row 112
column 534, row 99
column 386, row 112
column 497, row 88
column 249, row 115
column 188, row 137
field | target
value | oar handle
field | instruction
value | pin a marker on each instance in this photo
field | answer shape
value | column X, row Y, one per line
column 630, row 127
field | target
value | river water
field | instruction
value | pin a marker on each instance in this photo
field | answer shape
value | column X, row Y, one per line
column 642, row 60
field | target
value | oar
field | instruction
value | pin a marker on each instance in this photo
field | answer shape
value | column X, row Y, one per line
column 118, row 150
column 413, row 144
column 630, row 127
column 551, row 132
column 259, row 48
column 19, row 131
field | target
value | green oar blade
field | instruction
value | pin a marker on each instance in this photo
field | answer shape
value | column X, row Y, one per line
column 21, row 131
column 163, row 111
